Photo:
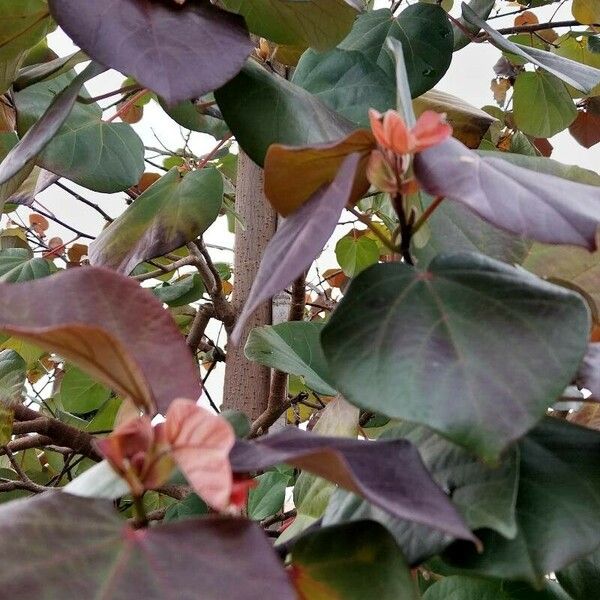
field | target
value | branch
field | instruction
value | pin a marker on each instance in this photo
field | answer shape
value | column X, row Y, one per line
column 58, row 432
column 212, row 281
column 25, row 482
column 204, row 314
column 539, row 27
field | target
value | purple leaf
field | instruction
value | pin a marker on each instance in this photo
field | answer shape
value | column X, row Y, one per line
column 74, row 548
column 389, row 473
column 180, row 52
column 299, row 240
column 109, row 326
column 533, row 205
column 36, row 139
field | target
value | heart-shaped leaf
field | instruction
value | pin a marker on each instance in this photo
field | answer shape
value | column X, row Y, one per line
column 346, row 81
column 559, row 492
column 533, row 205
column 174, row 210
column 179, row 51
column 388, row 473
column 263, row 109
column 580, row 76
column 345, row 561
column 426, row 37
column 45, row 124
column 294, row 348
column 319, row 24
column 17, row 264
column 79, row 138
column 476, row 377
column 121, row 343
column 100, row 551
column 554, row 107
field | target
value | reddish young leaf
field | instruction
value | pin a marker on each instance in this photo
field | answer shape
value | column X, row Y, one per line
column 75, row 548
column 180, row 52
column 530, row 204
column 139, row 453
column 200, row 443
column 108, row 325
column 312, row 167
column 390, row 473
column 300, row 239
column 586, row 128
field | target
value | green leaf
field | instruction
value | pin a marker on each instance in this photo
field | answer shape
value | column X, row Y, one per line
column 542, row 104
column 353, row 561
column 185, row 290
column 190, row 507
column 573, row 46
column 8, row 141
column 454, row 228
column 486, row 496
column 46, row 124
column 319, row 24
column 417, row 542
column 16, row 264
column 582, row 578
column 48, row 70
column 462, row 348
column 482, row 8
column 355, row 254
column 468, row 588
column 292, row 348
column 189, row 115
column 174, row 210
column 22, row 25
column 12, row 377
column 81, row 394
column 268, row 497
column 559, row 494
column 104, row 157
column 263, row 109
column 580, row 76
column 347, row 81
column 426, row 37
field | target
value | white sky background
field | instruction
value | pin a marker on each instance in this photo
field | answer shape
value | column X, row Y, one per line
column 468, row 77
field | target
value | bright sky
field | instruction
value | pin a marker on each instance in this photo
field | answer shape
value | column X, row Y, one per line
column 469, row 77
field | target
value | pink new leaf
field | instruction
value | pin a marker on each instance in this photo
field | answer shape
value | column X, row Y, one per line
column 200, row 444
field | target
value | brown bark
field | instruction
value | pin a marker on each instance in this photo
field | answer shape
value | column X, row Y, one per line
column 247, row 384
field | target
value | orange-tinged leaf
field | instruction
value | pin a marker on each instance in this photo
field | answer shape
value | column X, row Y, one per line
column 309, row 588
column 294, row 173
column 147, row 180
column 76, row 252
column 526, row 18
column 200, row 443
column 586, row 128
column 38, row 223
column 110, row 327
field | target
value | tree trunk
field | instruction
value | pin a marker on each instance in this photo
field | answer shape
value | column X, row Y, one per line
column 247, row 384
